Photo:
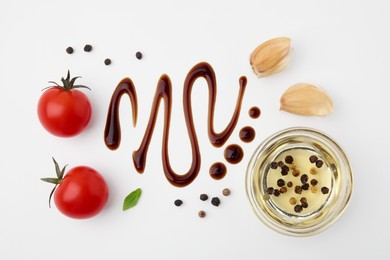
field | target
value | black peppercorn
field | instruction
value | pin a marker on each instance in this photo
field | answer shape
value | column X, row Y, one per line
column 270, row 190
column 313, row 158
column 276, row 193
column 215, row 201
column 289, row 159
column 285, row 170
column 280, row 182
column 107, row 62
column 289, row 184
column 305, row 186
column 274, row 165
column 304, row 178
column 280, row 164
column 298, row 189
column 178, row 203
column 69, row 50
column 203, row 197
column 305, row 205
column 87, row 48
column 298, row 208
column 319, row 163
column 138, row 55
column 325, row 190
column 314, row 182
column 303, row 200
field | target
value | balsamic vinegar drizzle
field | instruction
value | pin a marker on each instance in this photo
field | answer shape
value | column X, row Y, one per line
column 217, row 170
column 112, row 133
column 233, row 153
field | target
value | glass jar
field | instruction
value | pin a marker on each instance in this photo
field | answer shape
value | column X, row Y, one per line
column 299, row 181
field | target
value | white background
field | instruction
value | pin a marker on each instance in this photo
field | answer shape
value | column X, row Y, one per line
column 342, row 46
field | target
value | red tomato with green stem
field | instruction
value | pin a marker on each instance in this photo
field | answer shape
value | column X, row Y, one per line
column 64, row 111
column 81, row 193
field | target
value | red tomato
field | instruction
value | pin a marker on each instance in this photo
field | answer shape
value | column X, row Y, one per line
column 63, row 110
column 82, row 193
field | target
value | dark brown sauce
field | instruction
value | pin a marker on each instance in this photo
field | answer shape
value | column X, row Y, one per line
column 233, row 153
column 112, row 131
column 254, row 112
column 218, row 170
column 247, row 134
column 164, row 92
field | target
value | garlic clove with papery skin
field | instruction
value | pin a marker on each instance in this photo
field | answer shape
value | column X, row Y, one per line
column 271, row 56
column 307, row 100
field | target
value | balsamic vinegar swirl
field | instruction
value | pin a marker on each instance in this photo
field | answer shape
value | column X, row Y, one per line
column 112, row 131
column 164, row 92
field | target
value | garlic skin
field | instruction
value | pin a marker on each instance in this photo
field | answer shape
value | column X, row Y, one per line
column 271, row 56
column 306, row 100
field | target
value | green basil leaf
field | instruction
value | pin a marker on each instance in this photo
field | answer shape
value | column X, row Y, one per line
column 132, row 199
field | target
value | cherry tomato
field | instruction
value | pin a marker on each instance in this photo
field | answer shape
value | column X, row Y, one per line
column 64, row 111
column 82, row 193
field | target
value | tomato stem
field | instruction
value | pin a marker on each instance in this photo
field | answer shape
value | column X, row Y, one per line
column 67, row 83
column 57, row 181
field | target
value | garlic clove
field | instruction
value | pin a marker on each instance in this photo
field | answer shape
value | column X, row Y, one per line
column 271, row 56
column 307, row 100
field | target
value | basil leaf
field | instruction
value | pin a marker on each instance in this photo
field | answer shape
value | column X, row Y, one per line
column 131, row 199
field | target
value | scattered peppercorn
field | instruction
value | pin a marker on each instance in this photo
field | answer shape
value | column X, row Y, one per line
column 313, row 158
column 303, row 200
column 215, row 201
column 276, row 193
column 289, row 159
column 313, row 170
column 274, row 165
column 313, row 189
column 292, row 201
column 226, row 192
column 280, row 164
column 107, row 62
column 298, row 208
column 319, row 163
column 203, row 197
column 295, row 173
column 305, row 186
column 314, row 182
column 324, row 190
column 285, row 170
column 305, row 205
column 69, row 50
column 280, row 183
column 289, row 184
column 304, row 178
column 87, row 48
column 270, row 190
column 138, row 55
column 201, row 214
column 283, row 190
column 178, row 203
column 298, row 189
